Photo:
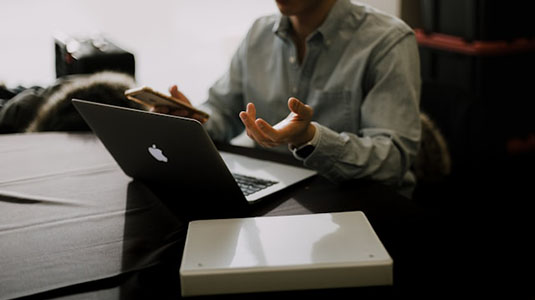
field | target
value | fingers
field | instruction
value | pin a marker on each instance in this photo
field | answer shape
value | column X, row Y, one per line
column 175, row 93
column 268, row 130
column 199, row 117
column 248, row 119
column 160, row 109
column 173, row 90
column 304, row 111
column 163, row 109
column 251, row 111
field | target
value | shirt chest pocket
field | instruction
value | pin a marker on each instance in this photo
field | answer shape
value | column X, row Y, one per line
column 335, row 109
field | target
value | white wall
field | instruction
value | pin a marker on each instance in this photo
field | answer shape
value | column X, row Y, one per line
column 188, row 42
column 390, row 6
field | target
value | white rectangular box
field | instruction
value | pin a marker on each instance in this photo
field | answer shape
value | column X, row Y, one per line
column 283, row 253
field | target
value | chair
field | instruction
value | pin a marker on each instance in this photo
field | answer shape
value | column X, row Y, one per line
column 432, row 165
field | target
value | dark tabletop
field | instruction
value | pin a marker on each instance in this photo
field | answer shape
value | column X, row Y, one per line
column 73, row 226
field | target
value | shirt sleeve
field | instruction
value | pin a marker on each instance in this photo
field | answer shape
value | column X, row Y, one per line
column 389, row 135
column 225, row 100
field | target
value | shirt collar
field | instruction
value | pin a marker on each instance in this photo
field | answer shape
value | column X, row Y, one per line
column 282, row 26
column 328, row 29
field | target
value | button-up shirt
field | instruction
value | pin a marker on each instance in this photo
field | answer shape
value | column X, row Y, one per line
column 360, row 74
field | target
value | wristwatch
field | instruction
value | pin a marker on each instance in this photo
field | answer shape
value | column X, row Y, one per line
column 303, row 151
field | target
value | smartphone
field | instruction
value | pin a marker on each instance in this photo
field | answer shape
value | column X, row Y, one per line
column 149, row 97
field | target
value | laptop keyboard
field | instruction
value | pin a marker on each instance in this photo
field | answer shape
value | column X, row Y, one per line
column 250, row 185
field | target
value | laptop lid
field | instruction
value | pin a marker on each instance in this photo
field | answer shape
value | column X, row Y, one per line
column 178, row 152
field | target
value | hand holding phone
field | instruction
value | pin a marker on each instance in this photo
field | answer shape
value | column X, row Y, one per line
column 160, row 102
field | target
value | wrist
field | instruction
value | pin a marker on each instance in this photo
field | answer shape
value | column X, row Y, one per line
column 306, row 137
column 304, row 150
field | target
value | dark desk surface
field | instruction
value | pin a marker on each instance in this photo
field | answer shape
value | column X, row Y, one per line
column 73, row 225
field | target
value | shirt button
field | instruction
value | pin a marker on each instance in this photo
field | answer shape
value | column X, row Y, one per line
column 294, row 90
column 291, row 59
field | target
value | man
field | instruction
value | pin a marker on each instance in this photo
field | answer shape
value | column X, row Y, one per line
column 348, row 75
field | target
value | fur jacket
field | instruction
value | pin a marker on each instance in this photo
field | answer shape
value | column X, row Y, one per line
column 50, row 109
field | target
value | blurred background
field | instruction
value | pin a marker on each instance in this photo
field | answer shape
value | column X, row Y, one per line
column 477, row 59
column 187, row 42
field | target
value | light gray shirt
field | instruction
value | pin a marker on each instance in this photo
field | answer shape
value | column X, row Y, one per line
column 360, row 74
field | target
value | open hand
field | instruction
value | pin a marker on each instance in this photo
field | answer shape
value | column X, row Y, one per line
column 295, row 129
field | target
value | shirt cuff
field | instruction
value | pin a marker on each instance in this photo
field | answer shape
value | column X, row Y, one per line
column 313, row 142
column 316, row 138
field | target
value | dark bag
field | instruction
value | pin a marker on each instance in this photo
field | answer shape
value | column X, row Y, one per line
column 90, row 55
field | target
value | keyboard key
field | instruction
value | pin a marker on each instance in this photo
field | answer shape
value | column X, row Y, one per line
column 250, row 185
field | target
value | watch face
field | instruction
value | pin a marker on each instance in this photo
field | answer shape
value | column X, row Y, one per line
column 305, row 151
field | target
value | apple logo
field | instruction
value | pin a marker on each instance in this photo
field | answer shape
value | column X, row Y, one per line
column 157, row 153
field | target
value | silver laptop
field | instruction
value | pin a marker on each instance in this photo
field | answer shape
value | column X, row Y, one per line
column 178, row 153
